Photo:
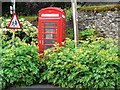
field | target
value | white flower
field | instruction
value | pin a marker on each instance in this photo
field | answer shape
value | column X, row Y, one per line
column 34, row 28
column 29, row 24
column 1, row 18
column 7, row 20
column 3, row 24
column 22, row 19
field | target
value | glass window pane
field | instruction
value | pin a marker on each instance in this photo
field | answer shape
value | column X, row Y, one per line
column 49, row 24
column 49, row 41
column 49, row 36
column 46, row 47
column 49, row 30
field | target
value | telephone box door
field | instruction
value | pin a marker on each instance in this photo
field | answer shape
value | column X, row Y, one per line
column 49, row 34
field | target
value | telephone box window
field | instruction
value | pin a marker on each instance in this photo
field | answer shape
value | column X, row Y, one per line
column 49, row 24
column 49, row 41
column 47, row 47
column 49, row 30
column 49, row 36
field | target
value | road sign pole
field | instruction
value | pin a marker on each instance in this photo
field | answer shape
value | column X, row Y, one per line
column 13, row 38
column 14, row 6
column 74, row 10
column 14, row 23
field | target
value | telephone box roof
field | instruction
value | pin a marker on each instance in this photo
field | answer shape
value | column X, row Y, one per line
column 52, row 8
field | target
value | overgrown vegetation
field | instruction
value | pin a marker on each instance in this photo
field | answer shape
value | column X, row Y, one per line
column 93, row 64
column 68, row 14
column 30, row 18
column 20, row 65
column 69, row 29
column 89, row 34
column 28, row 33
column 70, row 33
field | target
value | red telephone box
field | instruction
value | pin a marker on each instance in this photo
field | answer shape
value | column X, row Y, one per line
column 51, row 27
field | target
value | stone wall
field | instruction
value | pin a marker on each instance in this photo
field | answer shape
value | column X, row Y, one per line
column 104, row 22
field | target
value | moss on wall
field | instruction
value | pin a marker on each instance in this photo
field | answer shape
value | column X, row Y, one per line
column 101, row 8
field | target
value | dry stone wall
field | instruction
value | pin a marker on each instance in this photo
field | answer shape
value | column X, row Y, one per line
column 104, row 22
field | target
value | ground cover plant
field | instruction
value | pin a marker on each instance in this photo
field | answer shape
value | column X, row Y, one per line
column 91, row 65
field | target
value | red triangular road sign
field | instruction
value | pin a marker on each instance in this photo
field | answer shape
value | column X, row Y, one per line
column 14, row 23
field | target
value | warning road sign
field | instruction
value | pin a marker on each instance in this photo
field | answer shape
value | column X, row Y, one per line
column 14, row 23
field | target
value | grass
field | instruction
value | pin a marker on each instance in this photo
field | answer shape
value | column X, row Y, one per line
column 100, row 8
column 29, row 18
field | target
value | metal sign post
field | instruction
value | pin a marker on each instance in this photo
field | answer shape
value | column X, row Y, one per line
column 12, row 10
column 14, row 6
column 13, row 38
column 74, row 10
column 14, row 23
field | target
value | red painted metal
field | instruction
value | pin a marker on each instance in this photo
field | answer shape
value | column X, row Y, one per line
column 51, row 27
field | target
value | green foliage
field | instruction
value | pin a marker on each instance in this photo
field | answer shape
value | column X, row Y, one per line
column 87, row 34
column 20, row 65
column 27, row 34
column 0, row 20
column 91, row 65
column 30, row 18
column 69, row 33
column 69, row 30
column 68, row 14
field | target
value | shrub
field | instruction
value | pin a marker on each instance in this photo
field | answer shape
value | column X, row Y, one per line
column 88, row 33
column 91, row 65
column 68, row 14
column 27, row 34
column 69, row 33
column 20, row 65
